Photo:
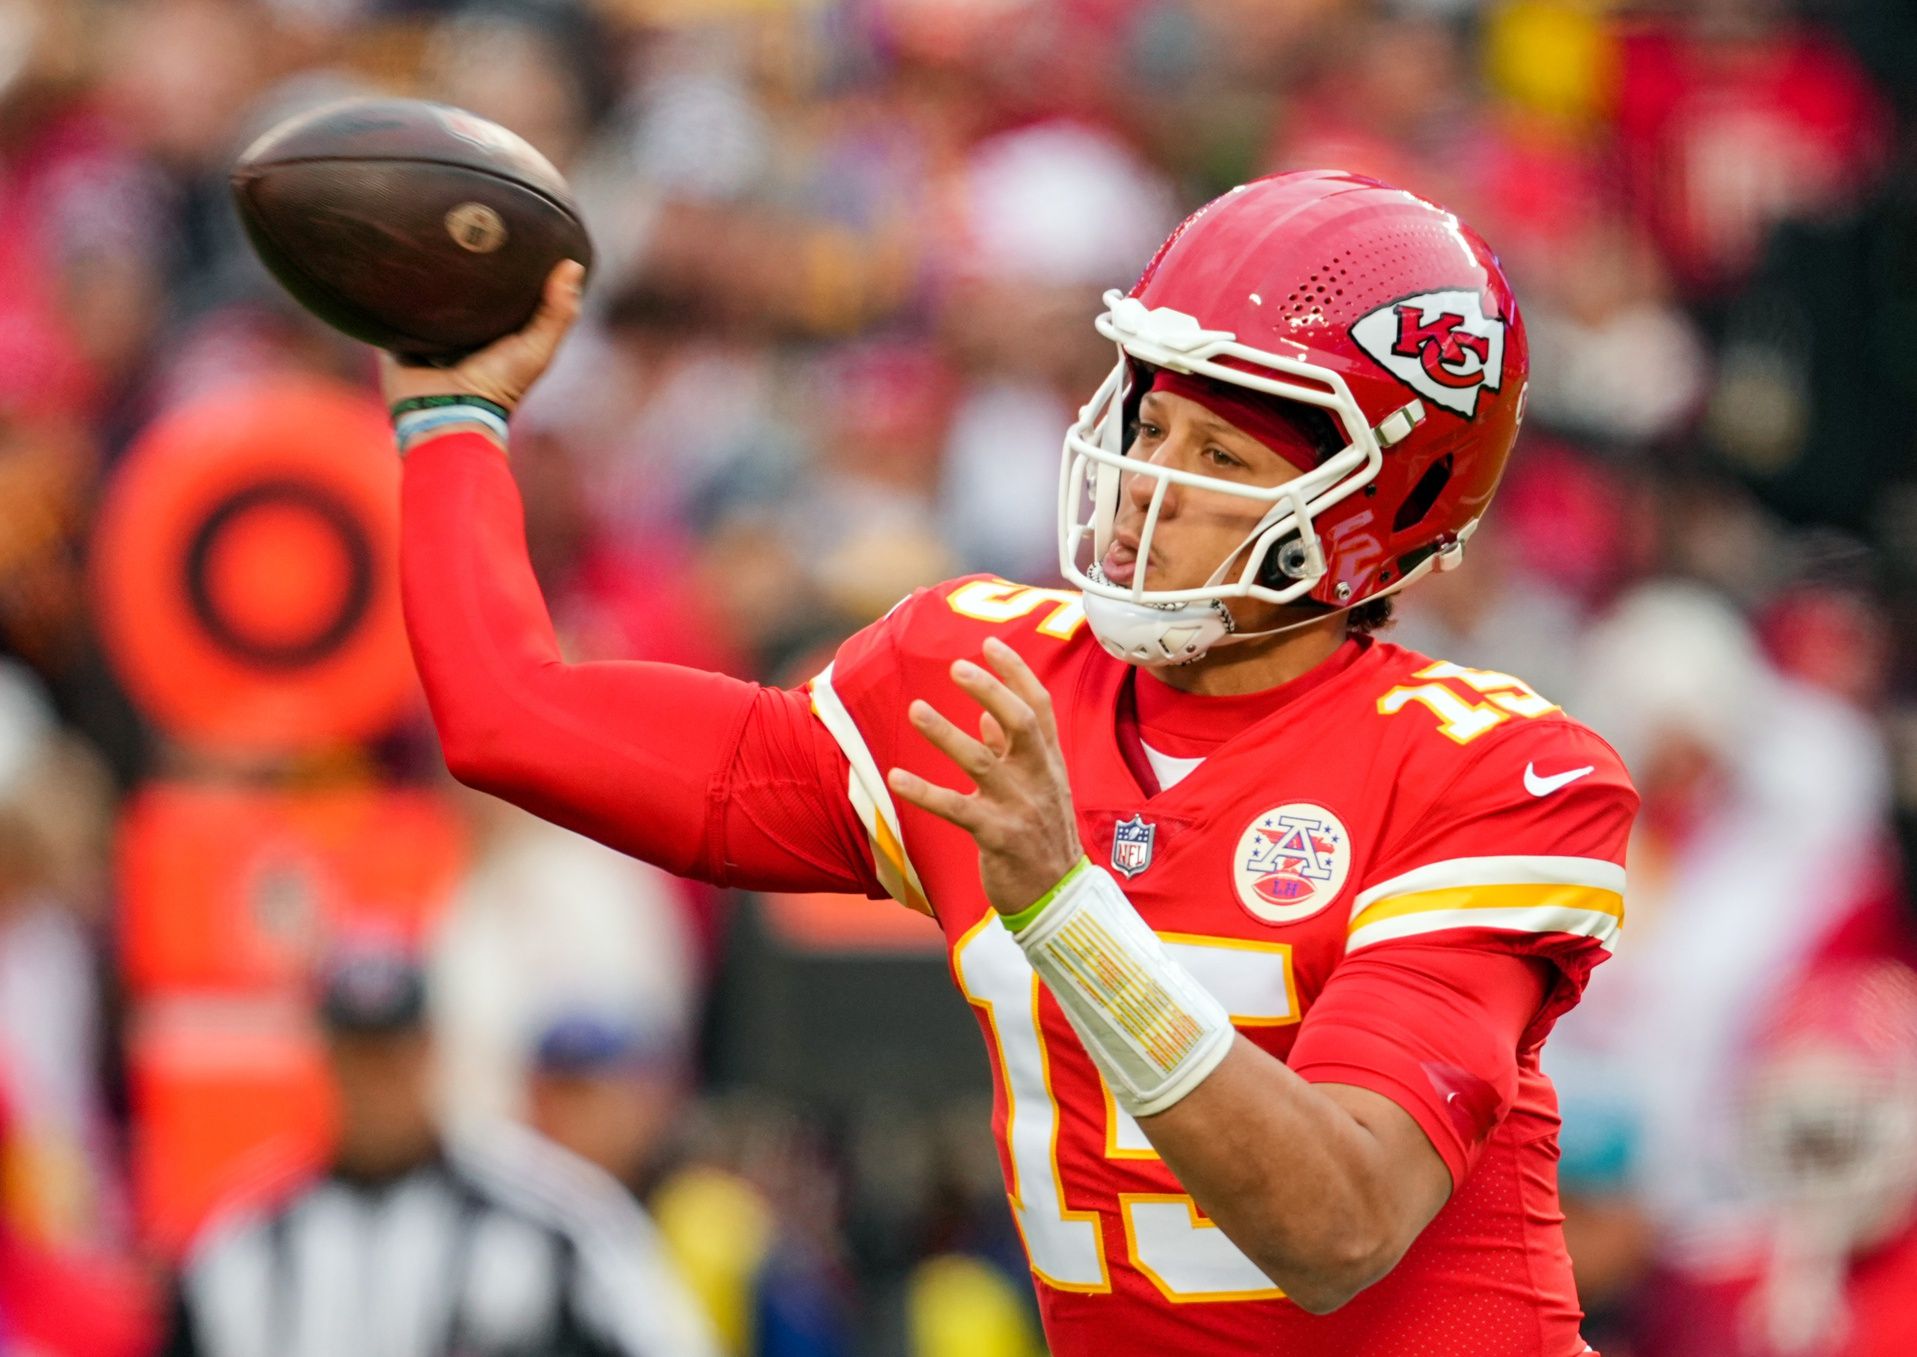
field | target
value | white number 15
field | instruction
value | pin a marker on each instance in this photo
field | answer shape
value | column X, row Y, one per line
column 1184, row 1255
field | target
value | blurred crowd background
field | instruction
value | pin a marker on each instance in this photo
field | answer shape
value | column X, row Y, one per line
column 849, row 254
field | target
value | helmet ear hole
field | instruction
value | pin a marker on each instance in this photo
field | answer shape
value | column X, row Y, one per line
column 1284, row 562
column 1423, row 495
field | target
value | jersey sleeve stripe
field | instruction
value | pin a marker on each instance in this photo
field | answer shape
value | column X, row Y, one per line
column 1527, row 896
column 1599, row 925
column 1531, row 870
column 870, row 798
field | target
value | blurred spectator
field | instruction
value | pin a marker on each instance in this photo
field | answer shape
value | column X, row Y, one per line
column 1616, row 361
column 412, row 1242
column 615, row 1094
column 609, row 1091
column 1732, row 117
column 1493, row 614
column 1763, row 829
column 547, row 923
column 1829, row 1114
column 1611, row 1239
column 1043, row 219
column 66, row 1287
column 1387, row 96
column 81, row 238
column 58, row 1185
column 963, row 1307
column 1812, row 403
column 539, row 69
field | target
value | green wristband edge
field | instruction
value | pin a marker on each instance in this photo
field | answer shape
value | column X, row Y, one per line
column 1020, row 921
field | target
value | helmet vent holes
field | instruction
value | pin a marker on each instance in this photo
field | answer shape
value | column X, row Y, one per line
column 1328, row 283
column 1423, row 495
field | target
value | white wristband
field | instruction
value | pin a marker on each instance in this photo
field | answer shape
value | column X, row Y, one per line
column 415, row 425
column 1151, row 1029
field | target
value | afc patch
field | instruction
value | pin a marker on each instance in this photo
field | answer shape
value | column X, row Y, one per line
column 1291, row 862
column 1132, row 846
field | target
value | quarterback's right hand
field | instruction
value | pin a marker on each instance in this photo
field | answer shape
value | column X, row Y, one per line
column 504, row 370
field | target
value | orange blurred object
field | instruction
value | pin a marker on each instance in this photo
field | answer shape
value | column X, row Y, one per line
column 229, row 895
column 230, row 1100
column 245, row 568
column 236, row 889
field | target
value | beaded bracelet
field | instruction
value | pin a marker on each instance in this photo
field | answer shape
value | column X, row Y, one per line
column 413, row 403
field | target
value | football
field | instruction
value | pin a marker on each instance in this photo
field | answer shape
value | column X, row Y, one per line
column 414, row 226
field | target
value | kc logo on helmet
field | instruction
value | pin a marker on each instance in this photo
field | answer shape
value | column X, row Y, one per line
column 1440, row 344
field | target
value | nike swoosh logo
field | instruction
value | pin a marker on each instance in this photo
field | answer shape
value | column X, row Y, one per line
column 1544, row 786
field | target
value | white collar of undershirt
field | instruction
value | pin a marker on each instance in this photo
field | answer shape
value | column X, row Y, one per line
column 1169, row 769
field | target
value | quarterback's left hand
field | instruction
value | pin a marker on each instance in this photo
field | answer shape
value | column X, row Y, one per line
column 1021, row 815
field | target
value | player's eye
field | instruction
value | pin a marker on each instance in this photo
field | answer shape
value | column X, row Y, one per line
column 1218, row 457
column 1144, row 435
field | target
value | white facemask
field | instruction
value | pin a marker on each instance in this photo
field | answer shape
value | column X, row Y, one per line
column 1177, row 626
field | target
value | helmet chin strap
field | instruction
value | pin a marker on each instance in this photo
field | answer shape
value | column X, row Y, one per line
column 1184, row 633
column 1156, row 633
column 1176, row 633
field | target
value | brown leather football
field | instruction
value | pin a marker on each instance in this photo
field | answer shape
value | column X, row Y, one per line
column 414, row 226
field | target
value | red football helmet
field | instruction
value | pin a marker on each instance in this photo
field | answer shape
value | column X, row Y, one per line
column 1372, row 304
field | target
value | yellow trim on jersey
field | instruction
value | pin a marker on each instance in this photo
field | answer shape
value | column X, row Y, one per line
column 871, row 798
column 1537, row 894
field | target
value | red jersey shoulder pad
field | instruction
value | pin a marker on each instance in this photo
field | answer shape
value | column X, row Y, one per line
column 863, row 696
column 1452, row 719
column 1517, row 831
column 1546, row 786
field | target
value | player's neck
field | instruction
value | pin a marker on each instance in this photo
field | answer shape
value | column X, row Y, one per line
column 1253, row 666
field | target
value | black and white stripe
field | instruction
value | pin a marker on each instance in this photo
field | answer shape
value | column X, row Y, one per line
column 506, row 1245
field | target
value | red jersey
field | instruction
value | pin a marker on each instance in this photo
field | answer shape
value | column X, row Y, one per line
column 1395, row 877
column 1389, row 811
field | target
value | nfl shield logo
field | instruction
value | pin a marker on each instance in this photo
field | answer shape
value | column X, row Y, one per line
column 1132, row 846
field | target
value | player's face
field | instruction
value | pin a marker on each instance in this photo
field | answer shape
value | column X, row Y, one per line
column 1197, row 529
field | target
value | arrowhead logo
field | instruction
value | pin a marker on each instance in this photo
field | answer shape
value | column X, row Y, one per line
column 1440, row 344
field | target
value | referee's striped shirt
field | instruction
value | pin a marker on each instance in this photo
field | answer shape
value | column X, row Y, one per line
column 505, row 1246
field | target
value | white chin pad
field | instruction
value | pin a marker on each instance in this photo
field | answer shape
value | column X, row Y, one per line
column 1141, row 633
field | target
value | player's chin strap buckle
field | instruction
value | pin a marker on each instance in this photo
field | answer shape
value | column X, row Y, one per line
column 1450, row 553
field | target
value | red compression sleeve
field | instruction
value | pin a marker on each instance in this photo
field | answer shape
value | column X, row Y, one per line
column 1434, row 1029
column 701, row 774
